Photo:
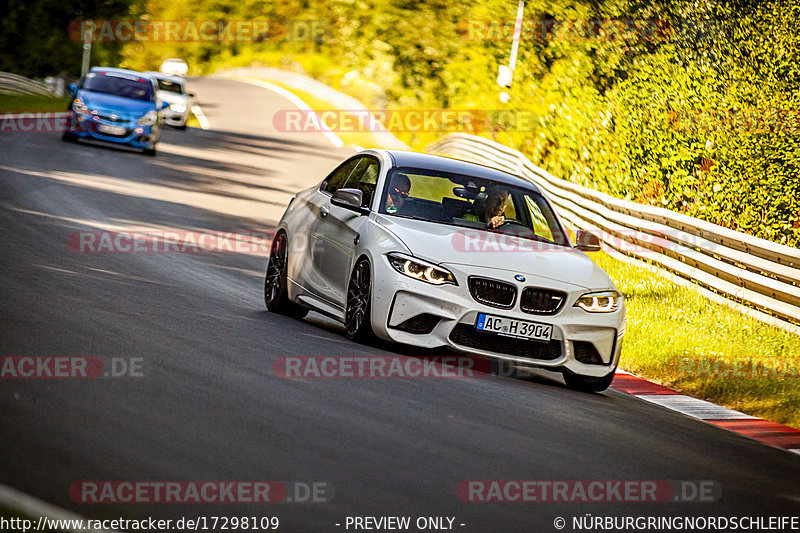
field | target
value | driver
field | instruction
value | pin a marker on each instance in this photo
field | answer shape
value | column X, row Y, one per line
column 494, row 207
column 397, row 193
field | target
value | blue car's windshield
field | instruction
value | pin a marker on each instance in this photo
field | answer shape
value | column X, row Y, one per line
column 132, row 87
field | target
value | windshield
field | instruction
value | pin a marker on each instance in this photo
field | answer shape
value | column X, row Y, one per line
column 134, row 87
column 169, row 86
column 470, row 202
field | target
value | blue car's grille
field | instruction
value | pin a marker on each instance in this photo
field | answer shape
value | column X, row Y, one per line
column 113, row 117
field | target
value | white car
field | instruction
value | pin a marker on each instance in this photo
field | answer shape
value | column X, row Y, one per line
column 174, row 67
column 436, row 252
column 172, row 90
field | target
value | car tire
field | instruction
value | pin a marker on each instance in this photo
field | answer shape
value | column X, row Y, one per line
column 181, row 127
column 358, row 326
column 68, row 137
column 276, row 296
column 149, row 151
column 588, row 383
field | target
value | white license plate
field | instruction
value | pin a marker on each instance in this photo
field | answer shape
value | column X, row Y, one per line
column 510, row 327
column 112, row 130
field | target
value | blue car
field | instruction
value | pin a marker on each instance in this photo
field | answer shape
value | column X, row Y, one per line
column 115, row 105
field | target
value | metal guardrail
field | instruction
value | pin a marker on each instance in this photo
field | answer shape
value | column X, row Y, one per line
column 16, row 84
column 338, row 99
column 761, row 273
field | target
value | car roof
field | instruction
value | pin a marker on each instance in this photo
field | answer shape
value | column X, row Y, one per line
column 118, row 71
column 404, row 158
column 168, row 77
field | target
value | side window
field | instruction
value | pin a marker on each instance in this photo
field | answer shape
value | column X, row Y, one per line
column 538, row 219
column 338, row 178
column 364, row 178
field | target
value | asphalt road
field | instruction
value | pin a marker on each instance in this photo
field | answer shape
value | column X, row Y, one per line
column 208, row 405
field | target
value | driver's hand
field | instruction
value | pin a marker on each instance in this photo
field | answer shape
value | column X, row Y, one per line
column 496, row 222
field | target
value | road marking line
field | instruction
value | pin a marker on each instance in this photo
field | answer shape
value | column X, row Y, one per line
column 201, row 117
column 32, row 507
column 297, row 101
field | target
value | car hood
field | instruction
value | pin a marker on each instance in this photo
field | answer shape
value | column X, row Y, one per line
column 444, row 244
column 115, row 104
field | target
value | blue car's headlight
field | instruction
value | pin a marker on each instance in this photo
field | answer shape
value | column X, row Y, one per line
column 599, row 302
column 148, row 119
column 79, row 107
column 421, row 270
column 178, row 108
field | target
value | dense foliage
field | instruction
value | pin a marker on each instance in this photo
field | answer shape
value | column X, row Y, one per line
column 690, row 105
column 35, row 40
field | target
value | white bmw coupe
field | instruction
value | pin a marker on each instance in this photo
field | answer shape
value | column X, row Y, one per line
column 436, row 252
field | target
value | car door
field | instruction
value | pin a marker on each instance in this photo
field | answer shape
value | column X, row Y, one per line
column 335, row 235
column 309, row 270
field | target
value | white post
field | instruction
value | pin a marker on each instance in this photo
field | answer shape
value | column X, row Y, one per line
column 505, row 75
column 87, row 52
column 512, row 61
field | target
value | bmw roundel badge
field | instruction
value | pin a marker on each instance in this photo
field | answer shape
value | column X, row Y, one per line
column 519, row 277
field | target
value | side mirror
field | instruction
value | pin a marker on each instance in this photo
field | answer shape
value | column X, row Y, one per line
column 350, row 199
column 587, row 241
column 73, row 88
column 190, row 95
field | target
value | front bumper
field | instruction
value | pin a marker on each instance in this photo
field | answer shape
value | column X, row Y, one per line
column 173, row 118
column 130, row 132
column 413, row 312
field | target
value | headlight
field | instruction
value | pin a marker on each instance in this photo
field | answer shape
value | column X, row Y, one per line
column 148, row 119
column 599, row 302
column 421, row 270
column 178, row 108
column 79, row 107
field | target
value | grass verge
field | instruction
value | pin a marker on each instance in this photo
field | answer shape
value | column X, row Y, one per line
column 31, row 103
column 677, row 337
